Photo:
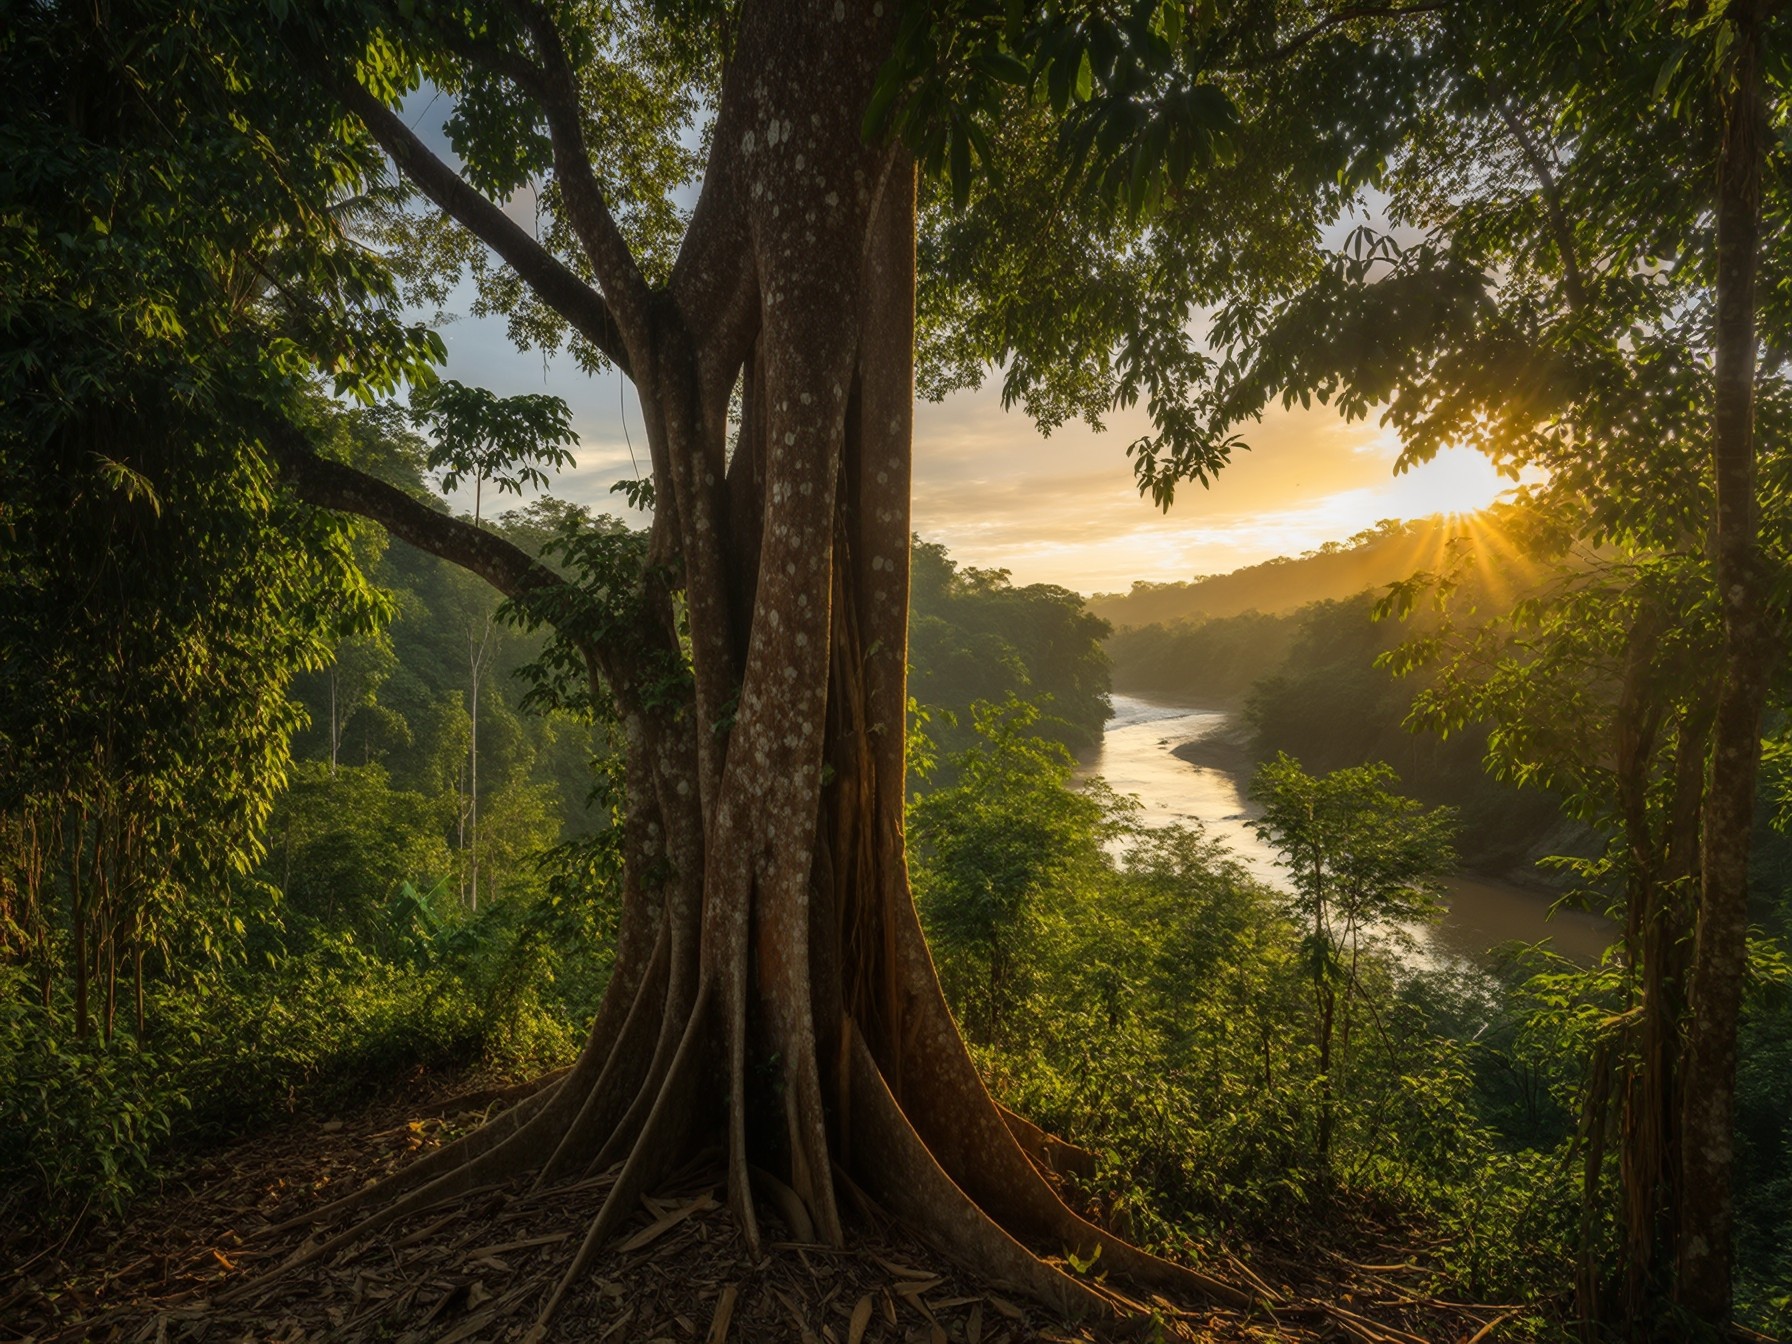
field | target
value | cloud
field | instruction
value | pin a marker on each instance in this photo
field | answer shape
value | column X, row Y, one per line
column 1064, row 509
column 1058, row 509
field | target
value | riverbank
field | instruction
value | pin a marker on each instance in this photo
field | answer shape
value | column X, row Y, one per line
column 1227, row 748
column 1192, row 764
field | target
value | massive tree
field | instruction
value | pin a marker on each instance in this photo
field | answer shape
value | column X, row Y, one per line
column 772, row 987
column 771, row 983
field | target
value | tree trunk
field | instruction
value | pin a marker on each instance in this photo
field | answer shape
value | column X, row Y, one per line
column 1326, row 1002
column 772, row 988
column 78, row 913
column 1750, row 649
column 1649, row 1118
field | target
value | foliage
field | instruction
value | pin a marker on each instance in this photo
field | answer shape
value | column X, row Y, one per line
column 1102, row 176
column 1357, row 853
column 989, row 848
column 1333, row 704
column 1164, row 1018
column 973, row 637
column 171, row 283
column 509, row 441
column 80, row 1119
column 302, row 1017
column 1206, row 662
column 1363, row 862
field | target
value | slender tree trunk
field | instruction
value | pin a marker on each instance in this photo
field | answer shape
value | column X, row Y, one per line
column 1327, row 1006
column 1750, row 640
column 474, row 655
column 111, row 954
column 77, row 896
column 137, row 989
column 1645, row 1070
column 1595, row 1121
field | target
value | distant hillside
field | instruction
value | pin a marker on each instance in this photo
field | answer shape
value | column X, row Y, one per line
column 1389, row 552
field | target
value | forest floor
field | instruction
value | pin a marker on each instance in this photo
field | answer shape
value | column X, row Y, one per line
column 478, row 1269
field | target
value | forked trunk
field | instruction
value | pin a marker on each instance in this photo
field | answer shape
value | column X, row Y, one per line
column 772, row 989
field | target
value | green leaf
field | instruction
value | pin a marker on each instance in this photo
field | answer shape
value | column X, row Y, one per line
column 1170, row 21
column 959, row 152
column 883, row 97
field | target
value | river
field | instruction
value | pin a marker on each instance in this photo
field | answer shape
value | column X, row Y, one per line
column 1135, row 757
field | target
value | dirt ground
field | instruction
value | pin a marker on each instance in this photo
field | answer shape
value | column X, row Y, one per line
column 480, row 1268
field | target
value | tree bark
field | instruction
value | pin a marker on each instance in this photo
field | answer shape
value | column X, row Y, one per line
column 1750, row 649
column 772, row 988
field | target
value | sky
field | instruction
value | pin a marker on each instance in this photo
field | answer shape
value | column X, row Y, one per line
column 1061, row 509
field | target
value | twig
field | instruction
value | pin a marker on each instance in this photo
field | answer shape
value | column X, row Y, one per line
column 1488, row 1329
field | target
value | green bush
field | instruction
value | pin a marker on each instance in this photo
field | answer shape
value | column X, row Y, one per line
column 317, row 1029
column 1161, row 1012
column 80, row 1120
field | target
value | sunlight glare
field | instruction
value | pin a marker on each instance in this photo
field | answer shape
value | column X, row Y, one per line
column 1456, row 481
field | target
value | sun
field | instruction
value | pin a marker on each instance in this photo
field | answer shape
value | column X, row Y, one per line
column 1454, row 483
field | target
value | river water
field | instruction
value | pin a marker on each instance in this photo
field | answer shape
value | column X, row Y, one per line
column 1134, row 758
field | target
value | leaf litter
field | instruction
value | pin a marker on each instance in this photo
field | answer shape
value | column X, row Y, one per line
column 478, row 1269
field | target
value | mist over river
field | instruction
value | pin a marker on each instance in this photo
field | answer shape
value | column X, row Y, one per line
column 1135, row 756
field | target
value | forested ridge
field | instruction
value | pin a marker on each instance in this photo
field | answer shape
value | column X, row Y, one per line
column 1391, row 551
column 739, row 850
column 1316, row 675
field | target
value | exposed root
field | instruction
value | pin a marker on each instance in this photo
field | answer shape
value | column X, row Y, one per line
column 913, row 1185
column 963, row 1128
column 488, row 1097
column 792, row 1209
column 664, row 1141
column 787, row 992
column 624, row 1135
column 740, row 1188
column 725, row 929
column 1047, row 1151
column 619, row 1080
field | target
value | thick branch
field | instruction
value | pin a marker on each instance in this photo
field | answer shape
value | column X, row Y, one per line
column 586, row 208
column 556, row 284
column 333, row 485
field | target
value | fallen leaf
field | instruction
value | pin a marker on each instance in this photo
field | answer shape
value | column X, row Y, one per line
column 861, row 1317
column 718, row 1325
column 663, row 1225
column 1006, row 1307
